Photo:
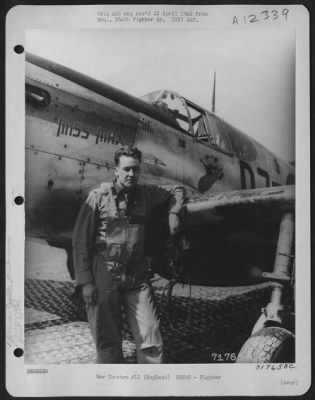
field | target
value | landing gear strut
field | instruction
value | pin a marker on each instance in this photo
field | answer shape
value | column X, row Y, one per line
column 270, row 341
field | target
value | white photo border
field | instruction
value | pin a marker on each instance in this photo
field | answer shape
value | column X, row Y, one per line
column 241, row 380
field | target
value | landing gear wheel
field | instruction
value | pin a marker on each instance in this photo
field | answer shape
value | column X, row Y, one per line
column 269, row 345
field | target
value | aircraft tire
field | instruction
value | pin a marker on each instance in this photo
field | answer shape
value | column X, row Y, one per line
column 269, row 345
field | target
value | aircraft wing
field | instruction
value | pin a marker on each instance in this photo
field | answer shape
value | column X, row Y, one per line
column 262, row 202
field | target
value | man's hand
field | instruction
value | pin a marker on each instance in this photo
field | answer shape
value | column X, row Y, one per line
column 89, row 293
column 174, row 223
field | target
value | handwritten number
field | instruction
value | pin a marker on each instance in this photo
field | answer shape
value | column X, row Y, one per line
column 275, row 14
column 266, row 12
column 252, row 18
column 285, row 12
column 273, row 367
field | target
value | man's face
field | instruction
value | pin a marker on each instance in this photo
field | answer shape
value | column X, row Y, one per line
column 127, row 172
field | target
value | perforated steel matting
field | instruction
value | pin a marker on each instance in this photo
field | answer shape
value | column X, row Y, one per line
column 221, row 319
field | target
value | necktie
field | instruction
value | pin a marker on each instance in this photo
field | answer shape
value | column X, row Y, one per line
column 122, row 205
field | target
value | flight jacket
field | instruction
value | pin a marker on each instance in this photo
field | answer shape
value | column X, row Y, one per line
column 119, row 235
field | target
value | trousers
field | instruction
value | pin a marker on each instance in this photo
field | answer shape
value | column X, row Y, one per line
column 105, row 316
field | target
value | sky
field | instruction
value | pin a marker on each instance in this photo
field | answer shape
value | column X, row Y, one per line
column 255, row 70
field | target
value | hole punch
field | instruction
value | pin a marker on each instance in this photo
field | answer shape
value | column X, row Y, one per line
column 18, row 352
column 19, row 49
column 19, row 200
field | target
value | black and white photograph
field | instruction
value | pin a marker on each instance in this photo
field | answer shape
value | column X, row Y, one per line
column 160, row 223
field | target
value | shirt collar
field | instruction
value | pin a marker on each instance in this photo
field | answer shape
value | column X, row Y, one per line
column 119, row 190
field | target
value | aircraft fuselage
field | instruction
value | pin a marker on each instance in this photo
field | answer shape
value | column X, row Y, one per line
column 75, row 124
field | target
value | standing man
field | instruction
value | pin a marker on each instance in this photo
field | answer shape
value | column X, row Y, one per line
column 110, row 263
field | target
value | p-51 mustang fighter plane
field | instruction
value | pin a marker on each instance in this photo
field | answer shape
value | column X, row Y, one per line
column 239, row 193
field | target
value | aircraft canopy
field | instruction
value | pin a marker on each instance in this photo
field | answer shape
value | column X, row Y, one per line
column 203, row 125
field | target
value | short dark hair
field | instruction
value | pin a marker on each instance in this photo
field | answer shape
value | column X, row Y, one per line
column 128, row 152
